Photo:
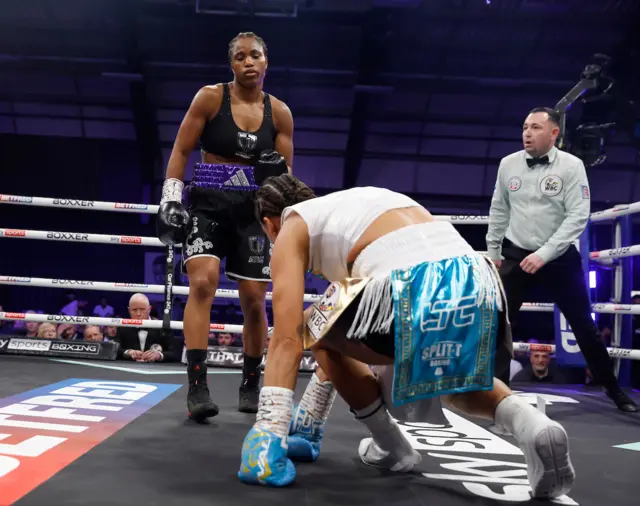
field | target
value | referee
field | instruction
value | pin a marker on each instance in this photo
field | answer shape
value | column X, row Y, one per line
column 540, row 206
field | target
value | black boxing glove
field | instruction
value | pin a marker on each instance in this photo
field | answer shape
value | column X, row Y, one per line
column 173, row 218
column 270, row 164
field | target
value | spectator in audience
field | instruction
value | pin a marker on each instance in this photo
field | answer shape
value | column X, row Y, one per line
column 71, row 307
column 47, row 331
column 93, row 333
column 74, row 307
column 540, row 369
column 68, row 331
column 225, row 339
column 30, row 328
column 103, row 310
column 110, row 332
column 145, row 345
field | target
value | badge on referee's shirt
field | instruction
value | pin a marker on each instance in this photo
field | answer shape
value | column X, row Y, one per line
column 514, row 183
column 585, row 191
column 551, row 186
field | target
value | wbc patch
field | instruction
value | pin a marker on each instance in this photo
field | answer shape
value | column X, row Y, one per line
column 585, row 191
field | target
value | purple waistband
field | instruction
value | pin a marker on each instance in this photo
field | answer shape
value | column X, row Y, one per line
column 224, row 177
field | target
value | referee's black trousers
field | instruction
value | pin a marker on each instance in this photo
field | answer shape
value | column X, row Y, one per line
column 564, row 280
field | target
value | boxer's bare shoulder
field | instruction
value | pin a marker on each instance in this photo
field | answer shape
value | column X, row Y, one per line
column 282, row 116
column 207, row 100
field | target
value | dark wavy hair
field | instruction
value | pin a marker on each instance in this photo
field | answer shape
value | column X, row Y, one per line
column 279, row 192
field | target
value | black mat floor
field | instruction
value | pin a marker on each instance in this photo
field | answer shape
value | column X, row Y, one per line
column 161, row 458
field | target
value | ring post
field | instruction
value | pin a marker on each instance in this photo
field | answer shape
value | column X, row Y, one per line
column 626, row 327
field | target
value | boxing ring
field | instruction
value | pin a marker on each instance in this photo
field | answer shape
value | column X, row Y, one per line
column 161, row 458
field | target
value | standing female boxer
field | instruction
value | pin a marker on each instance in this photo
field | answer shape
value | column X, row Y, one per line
column 237, row 125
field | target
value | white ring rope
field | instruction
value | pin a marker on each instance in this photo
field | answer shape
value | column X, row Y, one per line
column 86, row 205
column 551, row 348
column 48, row 235
column 614, row 212
column 236, row 329
column 627, row 251
column 539, row 307
column 94, row 205
column 111, row 322
column 221, row 293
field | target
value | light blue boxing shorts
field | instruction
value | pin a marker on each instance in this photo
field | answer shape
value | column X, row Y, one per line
column 446, row 326
column 422, row 297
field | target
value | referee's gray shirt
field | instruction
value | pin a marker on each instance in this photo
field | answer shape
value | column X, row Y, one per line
column 543, row 208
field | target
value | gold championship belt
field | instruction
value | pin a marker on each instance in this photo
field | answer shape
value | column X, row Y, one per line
column 325, row 312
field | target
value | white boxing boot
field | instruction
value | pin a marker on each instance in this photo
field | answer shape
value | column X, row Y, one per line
column 388, row 448
column 545, row 445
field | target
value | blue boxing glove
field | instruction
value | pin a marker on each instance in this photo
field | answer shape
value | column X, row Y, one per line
column 264, row 451
column 309, row 419
column 270, row 164
column 264, row 460
column 305, row 437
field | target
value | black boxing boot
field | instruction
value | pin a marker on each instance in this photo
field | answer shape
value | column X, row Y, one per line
column 173, row 218
column 249, row 394
column 199, row 402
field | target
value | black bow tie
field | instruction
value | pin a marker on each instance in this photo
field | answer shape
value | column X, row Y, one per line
column 543, row 160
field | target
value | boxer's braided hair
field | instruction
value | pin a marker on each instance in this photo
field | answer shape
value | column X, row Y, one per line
column 279, row 192
column 248, row 35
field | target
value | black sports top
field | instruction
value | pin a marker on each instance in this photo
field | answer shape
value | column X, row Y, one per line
column 221, row 136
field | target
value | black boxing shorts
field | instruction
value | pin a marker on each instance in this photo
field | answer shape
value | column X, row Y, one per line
column 223, row 226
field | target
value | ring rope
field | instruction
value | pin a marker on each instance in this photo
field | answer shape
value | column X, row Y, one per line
column 551, row 348
column 222, row 293
column 49, row 235
column 236, row 329
column 627, row 251
column 94, row 205
column 85, row 205
column 112, row 322
column 80, row 237
column 615, row 212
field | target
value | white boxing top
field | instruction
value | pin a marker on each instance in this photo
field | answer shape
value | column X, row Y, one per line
column 336, row 222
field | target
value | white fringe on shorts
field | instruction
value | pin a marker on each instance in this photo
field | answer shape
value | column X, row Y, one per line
column 403, row 248
column 375, row 311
